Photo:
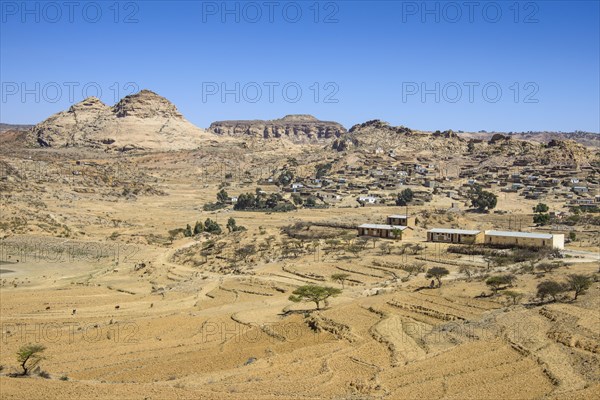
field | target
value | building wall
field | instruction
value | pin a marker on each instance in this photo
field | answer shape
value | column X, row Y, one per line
column 410, row 221
column 455, row 238
column 380, row 233
column 527, row 242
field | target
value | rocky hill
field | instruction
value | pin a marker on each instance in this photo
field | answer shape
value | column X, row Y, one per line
column 141, row 121
column 377, row 134
column 585, row 138
column 299, row 128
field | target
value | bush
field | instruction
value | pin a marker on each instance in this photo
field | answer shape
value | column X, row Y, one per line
column 211, row 226
column 551, row 289
column 495, row 282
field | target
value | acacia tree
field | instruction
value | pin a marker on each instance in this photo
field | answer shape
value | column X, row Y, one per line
column 579, row 284
column 29, row 356
column 340, row 278
column 437, row 273
column 549, row 288
column 313, row 293
column 514, row 296
column 495, row 282
column 549, row 267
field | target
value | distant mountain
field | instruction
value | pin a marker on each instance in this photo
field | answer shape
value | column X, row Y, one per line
column 14, row 127
column 140, row 121
column 300, row 128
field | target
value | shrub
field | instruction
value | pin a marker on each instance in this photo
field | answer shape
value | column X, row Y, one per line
column 550, row 288
column 495, row 282
column 211, row 226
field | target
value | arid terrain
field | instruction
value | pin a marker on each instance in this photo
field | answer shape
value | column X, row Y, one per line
column 101, row 261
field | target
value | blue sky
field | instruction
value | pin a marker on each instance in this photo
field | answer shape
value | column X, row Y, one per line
column 502, row 66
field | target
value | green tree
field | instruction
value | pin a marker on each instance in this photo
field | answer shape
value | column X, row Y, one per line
column 540, row 208
column 404, row 197
column 572, row 236
column 222, row 197
column 310, row 202
column 211, row 226
column 579, row 283
column 397, row 233
column 495, row 282
column 297, row 199
column 313, row 293
column 29, row 356
column 483, row 200
column 437, row 273
column 232, row 225
column 541, row 219
column 340, row 278
column 322, row 170
column 550, row 288
column 188, row 231
column 198, row 228
column 512, row 295
column 285, row 178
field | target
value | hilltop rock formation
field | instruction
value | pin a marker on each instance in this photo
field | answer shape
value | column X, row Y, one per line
column 140, row 121
column 377, row 134
column 299, row 128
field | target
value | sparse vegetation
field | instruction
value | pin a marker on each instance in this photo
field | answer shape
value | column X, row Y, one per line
column 29, row 356
column 438, row 273
column 550, row 289
column 579, row 284
column 314, row 293
column 340, row 278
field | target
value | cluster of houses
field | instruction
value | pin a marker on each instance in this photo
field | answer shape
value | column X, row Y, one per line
column 575, row 185
column 399, row 226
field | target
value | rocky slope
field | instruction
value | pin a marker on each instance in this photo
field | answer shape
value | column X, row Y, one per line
column 585, row 138
column 297, row 128
column 141, row 121
column 376, row 134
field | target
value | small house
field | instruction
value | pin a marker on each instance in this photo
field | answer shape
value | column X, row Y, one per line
column 400, row 219
column 384, row 231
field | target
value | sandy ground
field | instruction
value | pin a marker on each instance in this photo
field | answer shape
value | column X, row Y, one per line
column 181, row 327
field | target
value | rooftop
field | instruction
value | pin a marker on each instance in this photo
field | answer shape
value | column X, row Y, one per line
column 456, row 231
column 530, row 235
column 397, row 216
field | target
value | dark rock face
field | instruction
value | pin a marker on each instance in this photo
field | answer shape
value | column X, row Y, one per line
column 298, row 128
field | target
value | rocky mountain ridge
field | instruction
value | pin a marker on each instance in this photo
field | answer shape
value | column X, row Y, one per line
column 299, row 128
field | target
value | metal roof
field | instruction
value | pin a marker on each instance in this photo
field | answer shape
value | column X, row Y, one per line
column 520, row 234
column 382, row 226
column 457, row 231
column 397, row 216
